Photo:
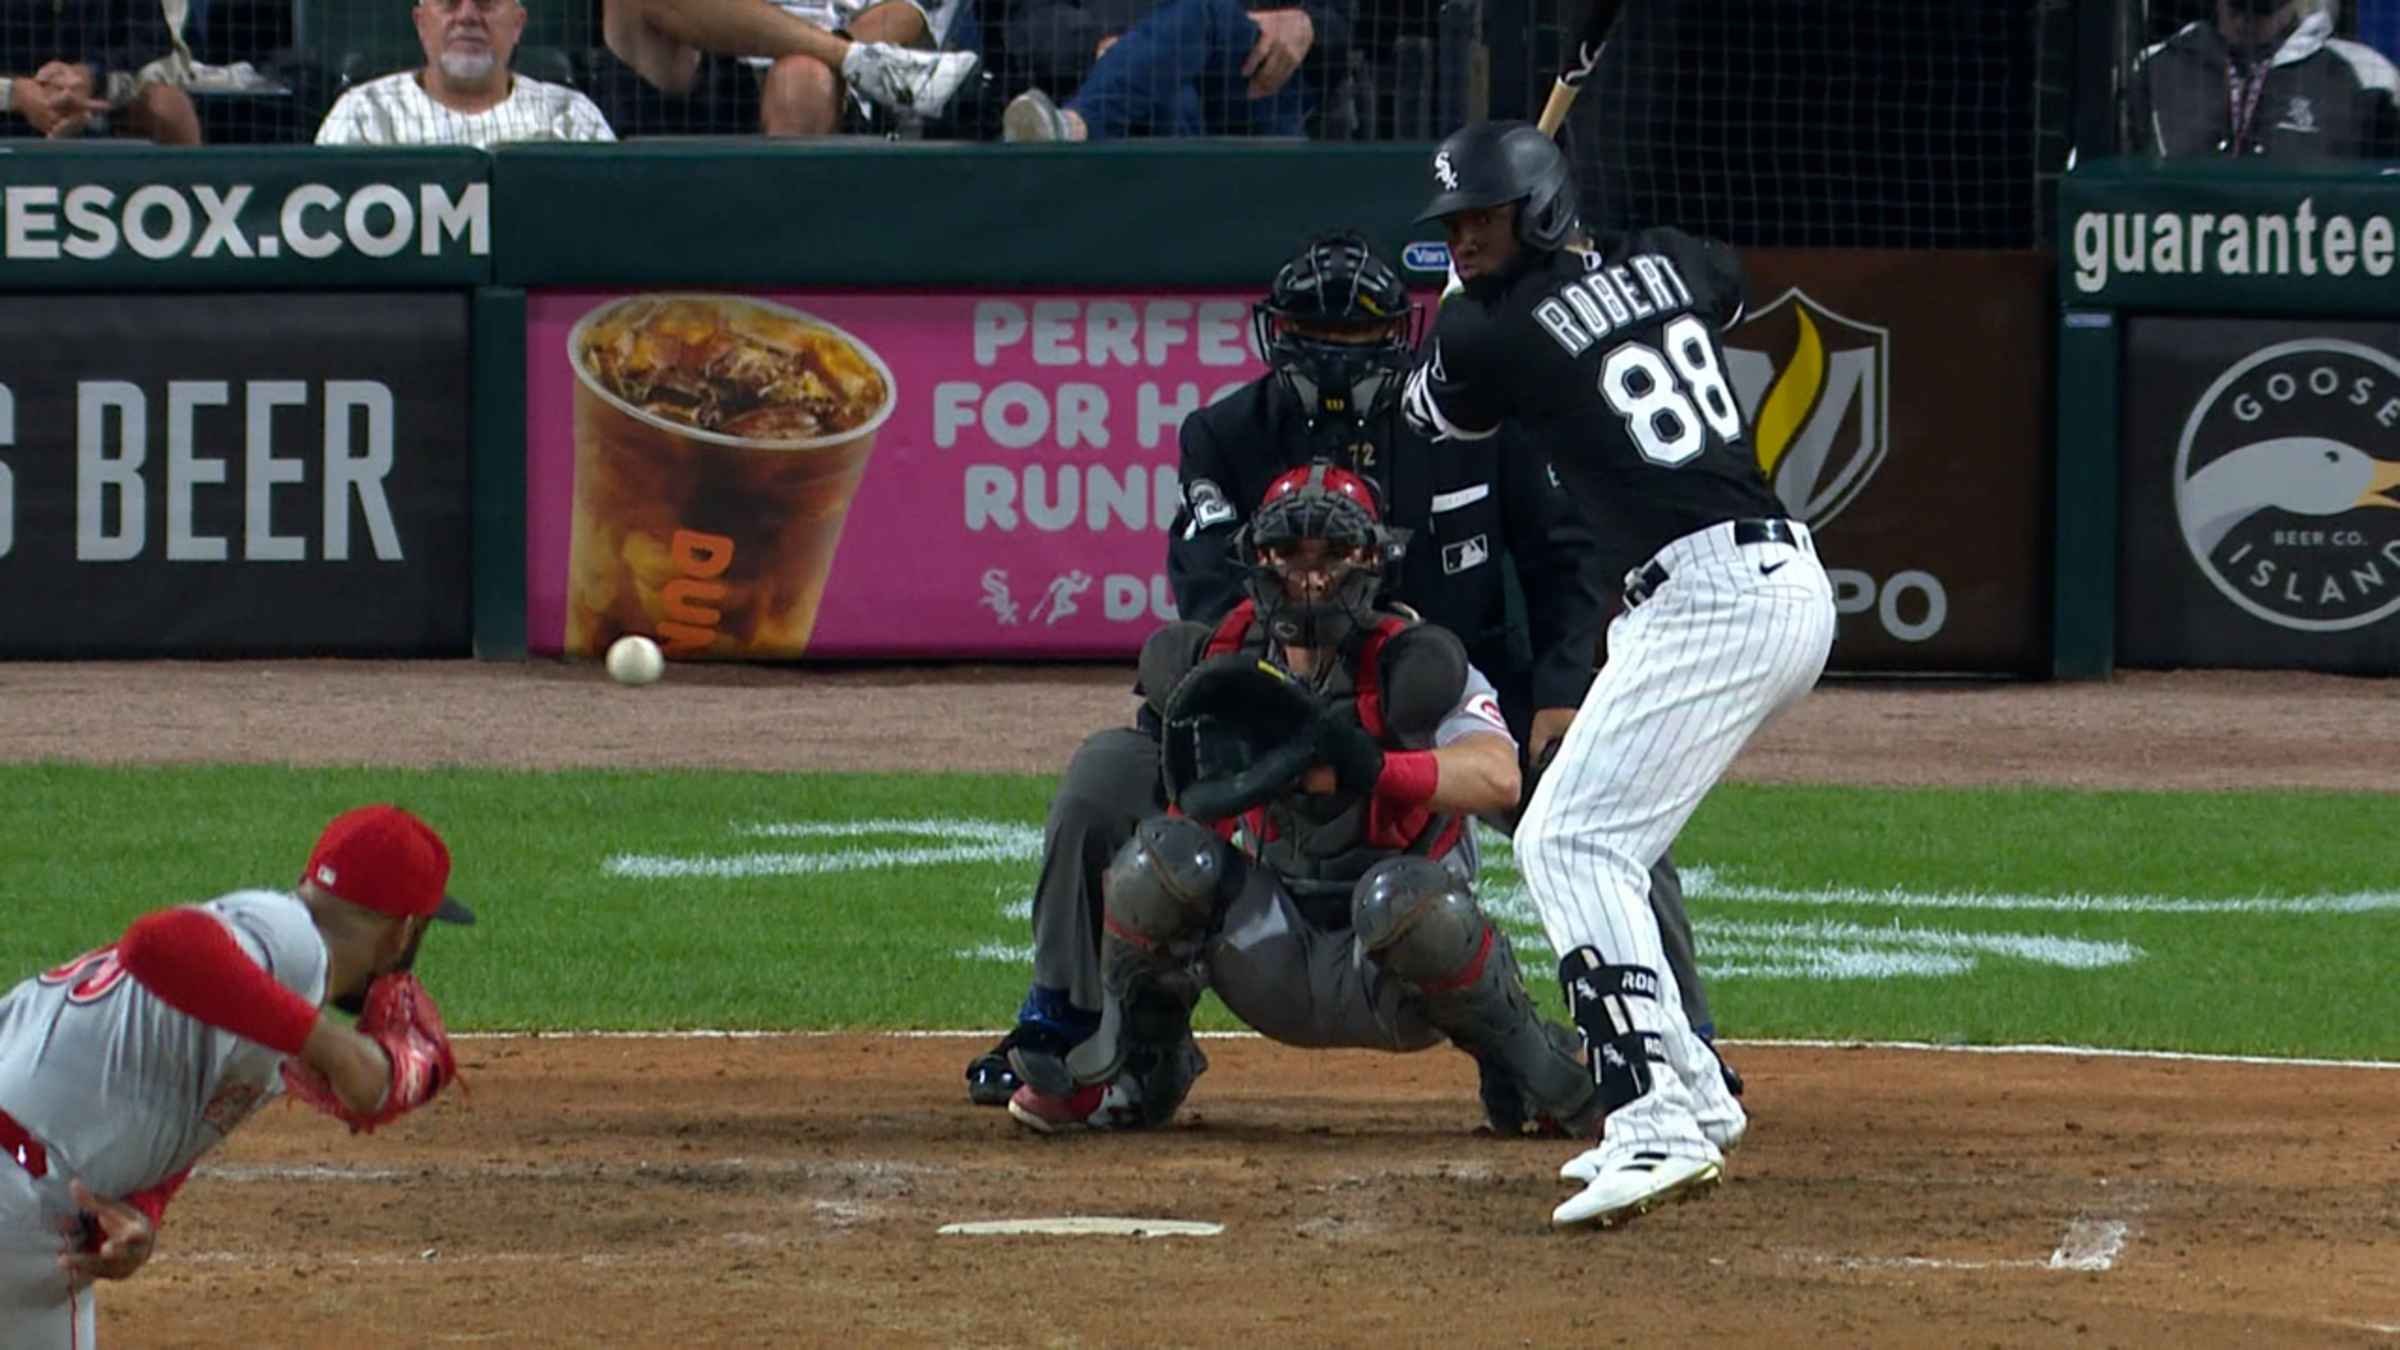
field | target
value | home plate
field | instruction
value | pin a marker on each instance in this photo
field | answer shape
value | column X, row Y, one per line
column 1083, row 1225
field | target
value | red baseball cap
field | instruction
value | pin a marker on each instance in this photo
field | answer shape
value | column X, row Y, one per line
column 384, row 859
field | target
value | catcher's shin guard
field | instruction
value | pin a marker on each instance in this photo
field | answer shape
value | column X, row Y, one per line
column 1610, row 1004
column 1163, row 891
column 1420, row 924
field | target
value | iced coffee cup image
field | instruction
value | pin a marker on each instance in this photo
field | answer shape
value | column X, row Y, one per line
column 718, row 442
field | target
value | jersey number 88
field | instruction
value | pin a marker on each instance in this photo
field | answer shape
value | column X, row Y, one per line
column 1644, row 389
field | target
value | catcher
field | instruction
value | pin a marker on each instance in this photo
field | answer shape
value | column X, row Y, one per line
column 122, row 1068
column 1323, row 760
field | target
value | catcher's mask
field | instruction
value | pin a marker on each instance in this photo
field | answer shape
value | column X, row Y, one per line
column 1339, row 331
column 1316, row 549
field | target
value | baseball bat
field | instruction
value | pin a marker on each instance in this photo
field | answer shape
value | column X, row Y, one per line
column 1577, row 69
column 1579, row 65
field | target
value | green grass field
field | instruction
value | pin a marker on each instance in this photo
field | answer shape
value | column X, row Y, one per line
column 2260, row 923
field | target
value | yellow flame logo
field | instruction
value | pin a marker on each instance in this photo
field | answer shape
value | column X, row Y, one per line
column 1795, row 393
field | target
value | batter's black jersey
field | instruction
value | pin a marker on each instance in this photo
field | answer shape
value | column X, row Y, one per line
column 1608, row 359
column 1474, row 511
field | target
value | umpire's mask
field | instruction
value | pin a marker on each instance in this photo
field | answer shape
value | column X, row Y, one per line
column 1338, row 329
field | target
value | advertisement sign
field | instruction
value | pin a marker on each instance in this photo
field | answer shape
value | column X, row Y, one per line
column 169, row 219
column 855, row 475
column 851, row 475
column 2212, row 236
column 1897, row 404
column 2261, row 495
column 238, row 474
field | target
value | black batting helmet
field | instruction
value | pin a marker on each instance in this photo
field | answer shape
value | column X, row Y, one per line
column 1492, row 163
column 1339, row 330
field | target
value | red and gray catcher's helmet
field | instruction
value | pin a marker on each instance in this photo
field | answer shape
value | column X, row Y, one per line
column 1332, row 505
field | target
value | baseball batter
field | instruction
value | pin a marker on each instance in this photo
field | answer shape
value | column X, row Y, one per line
column 122, row 1068
column 1607, row 355
column 1322, row 884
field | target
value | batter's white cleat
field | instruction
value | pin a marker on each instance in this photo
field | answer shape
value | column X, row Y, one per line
column 1627, row 1183
column 1726, row 1135
column 906, row 80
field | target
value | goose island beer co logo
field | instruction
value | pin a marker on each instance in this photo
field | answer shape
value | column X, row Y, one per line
column 1817, row 390
column 2287, row 484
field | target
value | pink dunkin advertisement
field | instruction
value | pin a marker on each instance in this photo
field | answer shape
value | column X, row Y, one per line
column 768, row 476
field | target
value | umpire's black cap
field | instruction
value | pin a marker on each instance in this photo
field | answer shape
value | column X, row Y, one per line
column 1489, row 163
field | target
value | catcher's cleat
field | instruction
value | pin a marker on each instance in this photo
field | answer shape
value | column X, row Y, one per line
column 1047, row 1026
column 1627, row 1184
column 1094, row 1106
column 990, row 1082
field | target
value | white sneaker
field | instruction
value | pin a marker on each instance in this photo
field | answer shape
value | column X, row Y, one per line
column 1629, row 1182
column 906, row 80
column 1725, row 1135
column 1031, row 118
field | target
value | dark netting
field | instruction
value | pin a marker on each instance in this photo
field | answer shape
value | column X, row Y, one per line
column 1862, row 123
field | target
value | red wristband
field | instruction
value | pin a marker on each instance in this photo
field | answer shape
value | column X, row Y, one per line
column 153, row 1201
column 1409, row 778
column 195, row 967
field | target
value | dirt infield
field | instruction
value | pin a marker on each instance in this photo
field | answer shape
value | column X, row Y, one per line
column 787, row 1190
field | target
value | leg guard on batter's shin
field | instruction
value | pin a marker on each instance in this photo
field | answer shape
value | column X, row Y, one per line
column 1601, row 998
column 1163, row 891
column 1418, row 922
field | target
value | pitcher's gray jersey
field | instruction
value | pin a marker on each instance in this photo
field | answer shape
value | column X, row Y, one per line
column 129, row 1090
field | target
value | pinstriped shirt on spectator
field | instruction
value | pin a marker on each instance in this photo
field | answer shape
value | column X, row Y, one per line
column 395, row 110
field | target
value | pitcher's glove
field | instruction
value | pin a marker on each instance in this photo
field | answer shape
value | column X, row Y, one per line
column 1239, row 731
column 401, row 1017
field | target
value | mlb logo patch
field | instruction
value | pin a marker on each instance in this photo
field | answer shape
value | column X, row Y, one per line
column 1466, row 553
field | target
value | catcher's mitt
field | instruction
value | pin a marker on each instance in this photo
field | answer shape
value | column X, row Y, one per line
column 401, row 1017
column 1238, row 732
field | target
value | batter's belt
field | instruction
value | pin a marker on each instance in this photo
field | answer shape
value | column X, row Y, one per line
column 1643, row 581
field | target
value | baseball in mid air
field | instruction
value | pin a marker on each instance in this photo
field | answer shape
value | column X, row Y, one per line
column 634, row 661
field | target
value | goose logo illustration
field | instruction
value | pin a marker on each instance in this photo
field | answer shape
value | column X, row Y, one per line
column 2287, row 484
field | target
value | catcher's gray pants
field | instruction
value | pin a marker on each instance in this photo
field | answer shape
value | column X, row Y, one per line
column 1294, row 982
column 1111, row 785
column 40, row 1308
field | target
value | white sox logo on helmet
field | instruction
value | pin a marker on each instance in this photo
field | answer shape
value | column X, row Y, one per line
column 1443, row 173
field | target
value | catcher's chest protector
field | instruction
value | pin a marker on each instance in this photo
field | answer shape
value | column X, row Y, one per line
column 1325, row 843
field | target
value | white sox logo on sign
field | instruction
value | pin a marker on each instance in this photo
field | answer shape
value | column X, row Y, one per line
column 2287, row 484
column 1443, row 173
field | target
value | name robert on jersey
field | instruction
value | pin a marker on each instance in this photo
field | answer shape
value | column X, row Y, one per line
column 1606, row 298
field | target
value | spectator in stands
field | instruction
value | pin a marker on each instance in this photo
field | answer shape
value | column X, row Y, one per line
column 465, row 93
column 1190, row 68
column 81, row 71
column 2267, row 78
column 2379, row 25
column 677, row 65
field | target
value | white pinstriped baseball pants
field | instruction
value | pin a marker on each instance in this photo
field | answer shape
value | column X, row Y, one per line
column 1736, row 634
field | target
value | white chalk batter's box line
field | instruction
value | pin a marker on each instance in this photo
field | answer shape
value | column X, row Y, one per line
column 2090, row 1245
column 2097, row 1051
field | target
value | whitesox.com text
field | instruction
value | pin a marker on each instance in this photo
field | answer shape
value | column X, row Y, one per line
column 42, row 222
